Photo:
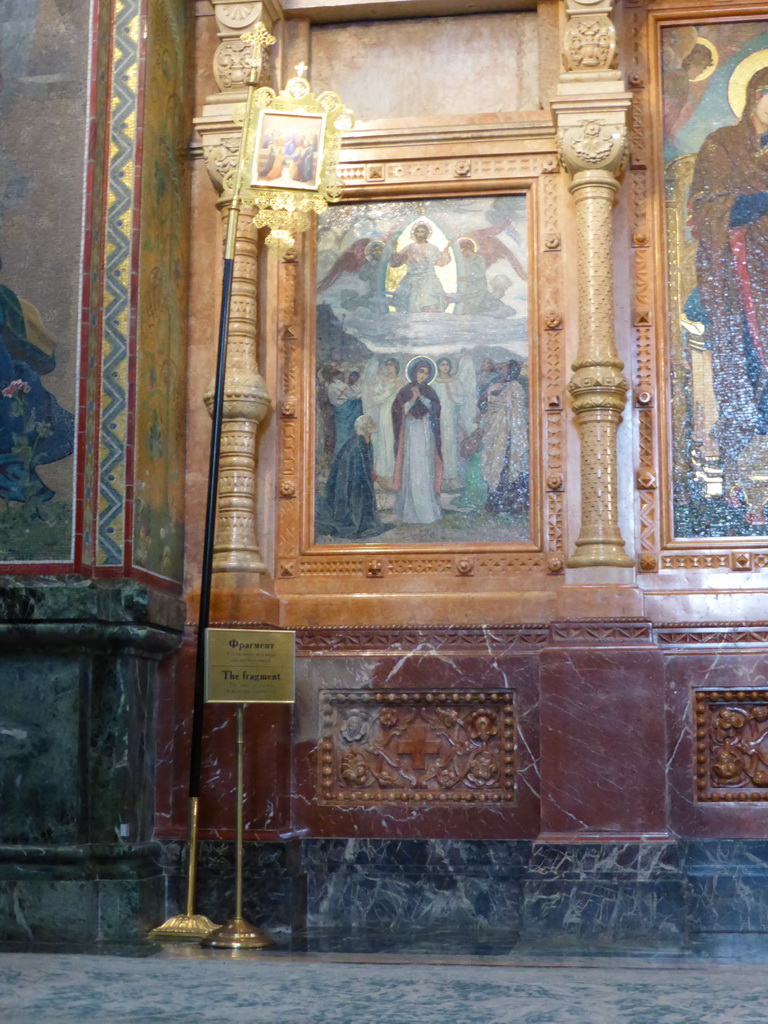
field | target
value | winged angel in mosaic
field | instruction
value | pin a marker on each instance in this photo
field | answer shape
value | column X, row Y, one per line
column 422, row 327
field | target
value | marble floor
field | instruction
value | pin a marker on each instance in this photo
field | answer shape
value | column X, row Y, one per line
column 722, row 983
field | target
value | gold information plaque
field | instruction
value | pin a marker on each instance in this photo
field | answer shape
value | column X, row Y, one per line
column 249, row 666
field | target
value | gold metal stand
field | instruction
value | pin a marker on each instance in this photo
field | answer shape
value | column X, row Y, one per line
column 189, row 925
column 238, row 933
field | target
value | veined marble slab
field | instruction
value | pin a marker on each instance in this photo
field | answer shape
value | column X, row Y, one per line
column 189, row 987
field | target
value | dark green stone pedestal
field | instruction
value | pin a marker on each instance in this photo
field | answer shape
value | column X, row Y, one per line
column 79, row 895
column 78, row 682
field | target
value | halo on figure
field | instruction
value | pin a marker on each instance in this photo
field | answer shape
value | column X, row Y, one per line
column 677, row 41
column 739, row 80
column 376, row 243
column 707, row 44
column 421, row 359
column 465, row 239
column 421, row 224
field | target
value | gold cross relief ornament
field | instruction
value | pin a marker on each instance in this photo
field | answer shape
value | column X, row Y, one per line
column 289, row 151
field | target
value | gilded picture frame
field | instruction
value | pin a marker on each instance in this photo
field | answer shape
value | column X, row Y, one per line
column 709, row 158
column 407, row 191
column 422, row 356
column 288, row 150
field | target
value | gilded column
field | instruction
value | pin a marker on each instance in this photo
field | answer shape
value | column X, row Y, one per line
column 246, row 400
column 591, row 116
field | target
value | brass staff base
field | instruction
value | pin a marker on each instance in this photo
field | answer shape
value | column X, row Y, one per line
column 189, row 925
column 238, row 933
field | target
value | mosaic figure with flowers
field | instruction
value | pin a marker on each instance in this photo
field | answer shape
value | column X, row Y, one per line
column 34, row 429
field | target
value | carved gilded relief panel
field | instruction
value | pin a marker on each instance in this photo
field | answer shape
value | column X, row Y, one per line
column 431, row 746
column 433, row 438
column 731, row 745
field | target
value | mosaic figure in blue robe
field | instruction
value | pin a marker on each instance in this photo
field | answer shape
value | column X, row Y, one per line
column 347, row 402
column 34, row 429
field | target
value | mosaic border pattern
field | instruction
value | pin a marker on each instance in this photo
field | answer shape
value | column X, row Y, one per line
column 116, row 284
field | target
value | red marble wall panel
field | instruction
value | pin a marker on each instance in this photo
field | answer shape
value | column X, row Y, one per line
column 266, row 767
column 618, row 753
column 710, row 673
column 431, row 807
column 602, row 740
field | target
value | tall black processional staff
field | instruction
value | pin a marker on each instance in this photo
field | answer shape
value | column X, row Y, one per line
column 286, row 170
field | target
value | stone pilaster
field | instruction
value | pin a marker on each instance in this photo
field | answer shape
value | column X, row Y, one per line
column 246, row 400
column 591, row 115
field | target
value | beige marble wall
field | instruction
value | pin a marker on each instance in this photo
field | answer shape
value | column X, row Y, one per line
column 479, row 64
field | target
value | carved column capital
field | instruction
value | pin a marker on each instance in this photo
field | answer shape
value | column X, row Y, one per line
column 216, row 126
column 230, row 62
column 588, row 48
column 220, row 151
column 589, row 43
column 238, row 16
column 594, row 142
column 592, row 132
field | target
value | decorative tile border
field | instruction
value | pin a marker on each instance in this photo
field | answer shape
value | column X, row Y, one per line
column 717, row 634
column 528, row 638
column 430, row 640
column 615, row 631
column 120, row 218
column 435, row 746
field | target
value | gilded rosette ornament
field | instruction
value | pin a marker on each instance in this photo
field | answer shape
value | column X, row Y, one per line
column 591, row 117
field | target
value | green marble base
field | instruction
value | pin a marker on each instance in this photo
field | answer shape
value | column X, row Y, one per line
column 78, row 693
column 81, row 895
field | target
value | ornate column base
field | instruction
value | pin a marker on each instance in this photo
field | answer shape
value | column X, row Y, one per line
column 598, row 392
column 245, row 405
column 590, row 553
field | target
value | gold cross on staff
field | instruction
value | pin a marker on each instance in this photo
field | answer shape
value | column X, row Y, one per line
column 259, row 37
column 301, row 68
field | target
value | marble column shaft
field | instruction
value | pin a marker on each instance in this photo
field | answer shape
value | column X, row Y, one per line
column 246, row 402
column 598, row 388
